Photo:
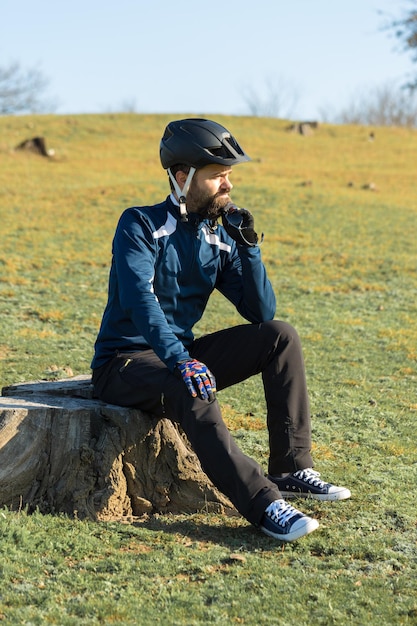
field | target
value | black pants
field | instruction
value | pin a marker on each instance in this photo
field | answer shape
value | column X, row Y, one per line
column 233, row 355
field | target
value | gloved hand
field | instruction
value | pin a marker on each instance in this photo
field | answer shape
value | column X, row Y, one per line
column 239, row 224
column 197, row 377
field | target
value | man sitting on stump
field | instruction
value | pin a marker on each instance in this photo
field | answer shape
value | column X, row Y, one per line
column 167, row 260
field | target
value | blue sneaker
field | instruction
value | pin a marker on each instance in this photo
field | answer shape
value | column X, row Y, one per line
column 282, row 521
column 307, row 483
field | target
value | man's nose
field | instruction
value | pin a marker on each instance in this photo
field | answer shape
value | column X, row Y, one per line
column 226, row 185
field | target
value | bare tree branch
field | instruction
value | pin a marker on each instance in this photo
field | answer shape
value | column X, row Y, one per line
column 386, row 105
column 21, row 91
column 405, row 30
column 279, row 99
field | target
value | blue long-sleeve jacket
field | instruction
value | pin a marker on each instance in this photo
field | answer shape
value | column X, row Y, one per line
column 162, row 274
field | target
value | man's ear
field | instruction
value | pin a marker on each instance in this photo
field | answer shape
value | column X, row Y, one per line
column 181, row 177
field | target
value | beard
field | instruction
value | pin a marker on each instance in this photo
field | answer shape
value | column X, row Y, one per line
column 206, row 206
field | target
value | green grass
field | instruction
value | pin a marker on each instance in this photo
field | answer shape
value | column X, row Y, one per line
column 342, row 261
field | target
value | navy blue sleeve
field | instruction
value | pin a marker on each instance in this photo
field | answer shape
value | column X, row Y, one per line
column 244, row 282
column 135, row 253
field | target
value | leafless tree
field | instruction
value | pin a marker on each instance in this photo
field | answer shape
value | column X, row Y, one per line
column 391, row 104
column 405, row 30
column 277, row 99
column 386, row 105
column 128, row 105
column 22, row 90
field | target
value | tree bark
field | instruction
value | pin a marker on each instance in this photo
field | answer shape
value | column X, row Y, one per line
column 63, row 451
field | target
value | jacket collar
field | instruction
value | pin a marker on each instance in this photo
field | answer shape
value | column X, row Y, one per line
column 194, row 220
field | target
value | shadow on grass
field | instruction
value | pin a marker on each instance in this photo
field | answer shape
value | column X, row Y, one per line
column 234, row 537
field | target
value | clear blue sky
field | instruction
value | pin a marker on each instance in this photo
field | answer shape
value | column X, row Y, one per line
column 191, row 56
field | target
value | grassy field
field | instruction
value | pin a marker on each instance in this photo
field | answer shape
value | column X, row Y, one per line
column 340, row 220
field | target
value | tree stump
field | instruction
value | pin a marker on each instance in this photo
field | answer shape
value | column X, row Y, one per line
column 61, row 450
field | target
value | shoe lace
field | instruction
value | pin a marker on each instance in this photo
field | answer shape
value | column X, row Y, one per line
column 281, row 512
column 310, row 476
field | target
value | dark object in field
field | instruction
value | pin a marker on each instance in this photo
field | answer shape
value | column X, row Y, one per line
column 36, row 145
column 303, row 128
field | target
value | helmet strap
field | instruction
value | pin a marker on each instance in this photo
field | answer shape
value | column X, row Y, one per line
column 182, row 193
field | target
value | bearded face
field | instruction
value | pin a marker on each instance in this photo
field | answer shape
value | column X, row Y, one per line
column 208, row 206
column 209, row 192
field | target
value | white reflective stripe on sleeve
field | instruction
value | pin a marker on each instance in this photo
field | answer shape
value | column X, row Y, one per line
column 166, row 229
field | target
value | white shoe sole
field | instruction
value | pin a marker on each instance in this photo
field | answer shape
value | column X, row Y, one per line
column 304, row 526
column 342, row 494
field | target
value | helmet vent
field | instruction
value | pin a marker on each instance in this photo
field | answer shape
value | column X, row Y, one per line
column 167, row 134
column 229, row 149
column 222, row 152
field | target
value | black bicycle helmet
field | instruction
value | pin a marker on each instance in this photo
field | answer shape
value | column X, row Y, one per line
column 198, row 142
